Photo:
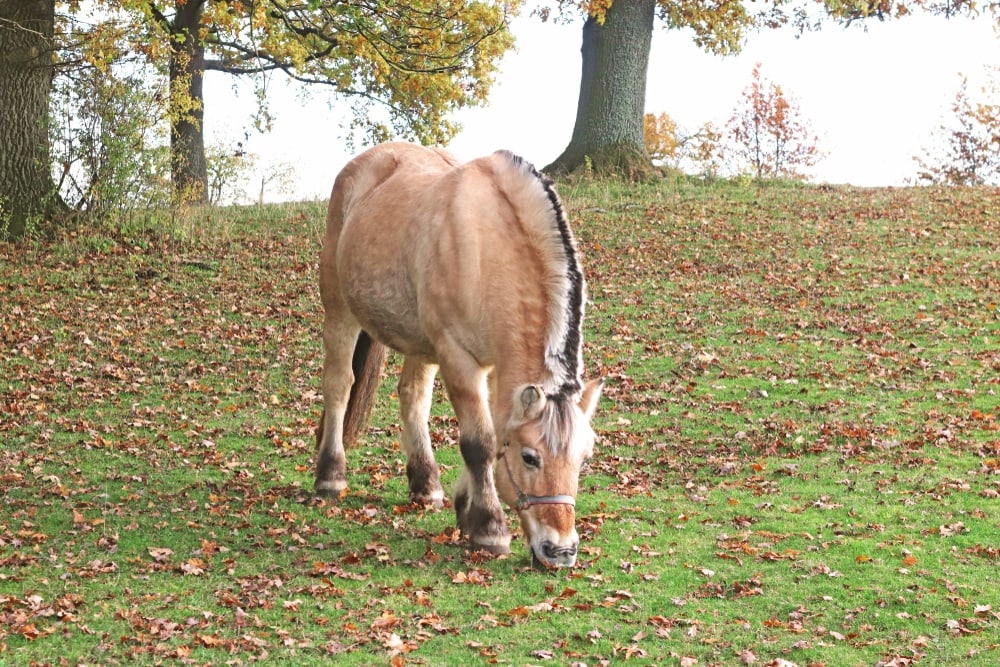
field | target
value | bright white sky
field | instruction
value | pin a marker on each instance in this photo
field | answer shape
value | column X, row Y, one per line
column 874, row 97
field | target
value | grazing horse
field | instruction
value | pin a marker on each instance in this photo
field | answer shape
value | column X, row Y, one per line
column 469, row 269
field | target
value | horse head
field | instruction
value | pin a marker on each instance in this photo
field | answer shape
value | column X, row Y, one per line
column 542, row 449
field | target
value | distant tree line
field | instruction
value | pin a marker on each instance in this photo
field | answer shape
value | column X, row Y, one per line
column 766, row 137
column 967, row 146
column 404, row 66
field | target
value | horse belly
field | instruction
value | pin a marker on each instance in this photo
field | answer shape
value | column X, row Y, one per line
column 392, row 323
column 375, row 284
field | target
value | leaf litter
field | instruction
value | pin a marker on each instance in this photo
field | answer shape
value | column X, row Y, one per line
column 798, row 457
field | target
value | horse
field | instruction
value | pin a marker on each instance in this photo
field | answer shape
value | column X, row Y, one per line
column 471, row 270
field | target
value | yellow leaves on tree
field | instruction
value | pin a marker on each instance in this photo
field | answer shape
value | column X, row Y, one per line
column 672, row 146
column 662, row 139
column 404, row 65
column 717, row 27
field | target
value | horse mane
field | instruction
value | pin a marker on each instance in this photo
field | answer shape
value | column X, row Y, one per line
column 566, row 290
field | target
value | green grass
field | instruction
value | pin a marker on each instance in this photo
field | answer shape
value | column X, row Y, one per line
column 799, row 455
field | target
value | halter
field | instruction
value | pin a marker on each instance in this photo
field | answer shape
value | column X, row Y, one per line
column 524, row 501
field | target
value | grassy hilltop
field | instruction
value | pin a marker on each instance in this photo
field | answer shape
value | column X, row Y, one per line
column 799, row 454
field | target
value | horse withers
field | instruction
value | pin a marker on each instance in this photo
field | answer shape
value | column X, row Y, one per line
column 470, row 269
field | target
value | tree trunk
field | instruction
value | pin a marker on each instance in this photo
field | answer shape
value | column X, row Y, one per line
column 188, row 166
column 27, row 191
column 608, row 133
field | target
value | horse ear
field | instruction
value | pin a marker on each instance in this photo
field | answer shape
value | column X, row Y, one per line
column 590, row 397
column 530, row 402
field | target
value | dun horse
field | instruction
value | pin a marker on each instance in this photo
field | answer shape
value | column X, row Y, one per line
column 471, row 269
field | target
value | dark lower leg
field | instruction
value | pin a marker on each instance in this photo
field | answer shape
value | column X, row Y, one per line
column 477, row 507
column 331, row 462
column 415, row 390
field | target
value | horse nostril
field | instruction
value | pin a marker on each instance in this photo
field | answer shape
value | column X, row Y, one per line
column 553, row 551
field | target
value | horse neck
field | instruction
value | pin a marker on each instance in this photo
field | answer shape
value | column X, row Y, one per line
column 520, row 361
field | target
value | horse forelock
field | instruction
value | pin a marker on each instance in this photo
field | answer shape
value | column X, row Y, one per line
column 560, row 424
column 566, row 287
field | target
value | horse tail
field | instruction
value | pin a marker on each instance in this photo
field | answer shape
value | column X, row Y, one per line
column 369, row 359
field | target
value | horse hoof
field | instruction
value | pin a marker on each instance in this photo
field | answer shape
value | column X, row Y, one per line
column 434, row 500
column 330, row 490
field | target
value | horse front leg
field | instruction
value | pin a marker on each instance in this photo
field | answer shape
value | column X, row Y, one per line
column 339, row 339
column 416, row 384
column 477, row 507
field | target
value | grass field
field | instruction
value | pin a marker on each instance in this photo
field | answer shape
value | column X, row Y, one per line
column 799, row 456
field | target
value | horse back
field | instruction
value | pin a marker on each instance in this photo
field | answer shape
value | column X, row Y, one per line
column 418, row 244
column 377, row 222
column 366, row 172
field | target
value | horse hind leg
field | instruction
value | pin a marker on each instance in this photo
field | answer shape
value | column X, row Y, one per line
column 416, row 383
column 339, row 340
column 477, row 506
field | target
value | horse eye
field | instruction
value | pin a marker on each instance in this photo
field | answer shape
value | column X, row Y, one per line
column 530, row 458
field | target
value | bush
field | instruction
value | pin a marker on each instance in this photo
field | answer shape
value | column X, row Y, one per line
column 109, row 143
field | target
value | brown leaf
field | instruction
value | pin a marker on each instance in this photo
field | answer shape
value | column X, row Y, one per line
column 161, row 554
column 473, row 576
column 951, row 529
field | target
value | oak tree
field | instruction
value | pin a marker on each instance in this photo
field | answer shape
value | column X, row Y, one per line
column 404, row 66
column 27, row 190
column 608, row 130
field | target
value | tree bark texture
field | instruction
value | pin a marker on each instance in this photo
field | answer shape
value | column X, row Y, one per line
column 27, row 191
column 609, row 117
column 189, row 169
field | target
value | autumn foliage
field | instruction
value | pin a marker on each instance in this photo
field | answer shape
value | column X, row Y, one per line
column 670, row 145
column 403, row 67
column 662, row 137
column 770, row 137
column 767, row 137
column 967, row 151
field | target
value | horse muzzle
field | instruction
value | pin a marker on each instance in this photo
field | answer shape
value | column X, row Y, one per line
column 550, row 555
